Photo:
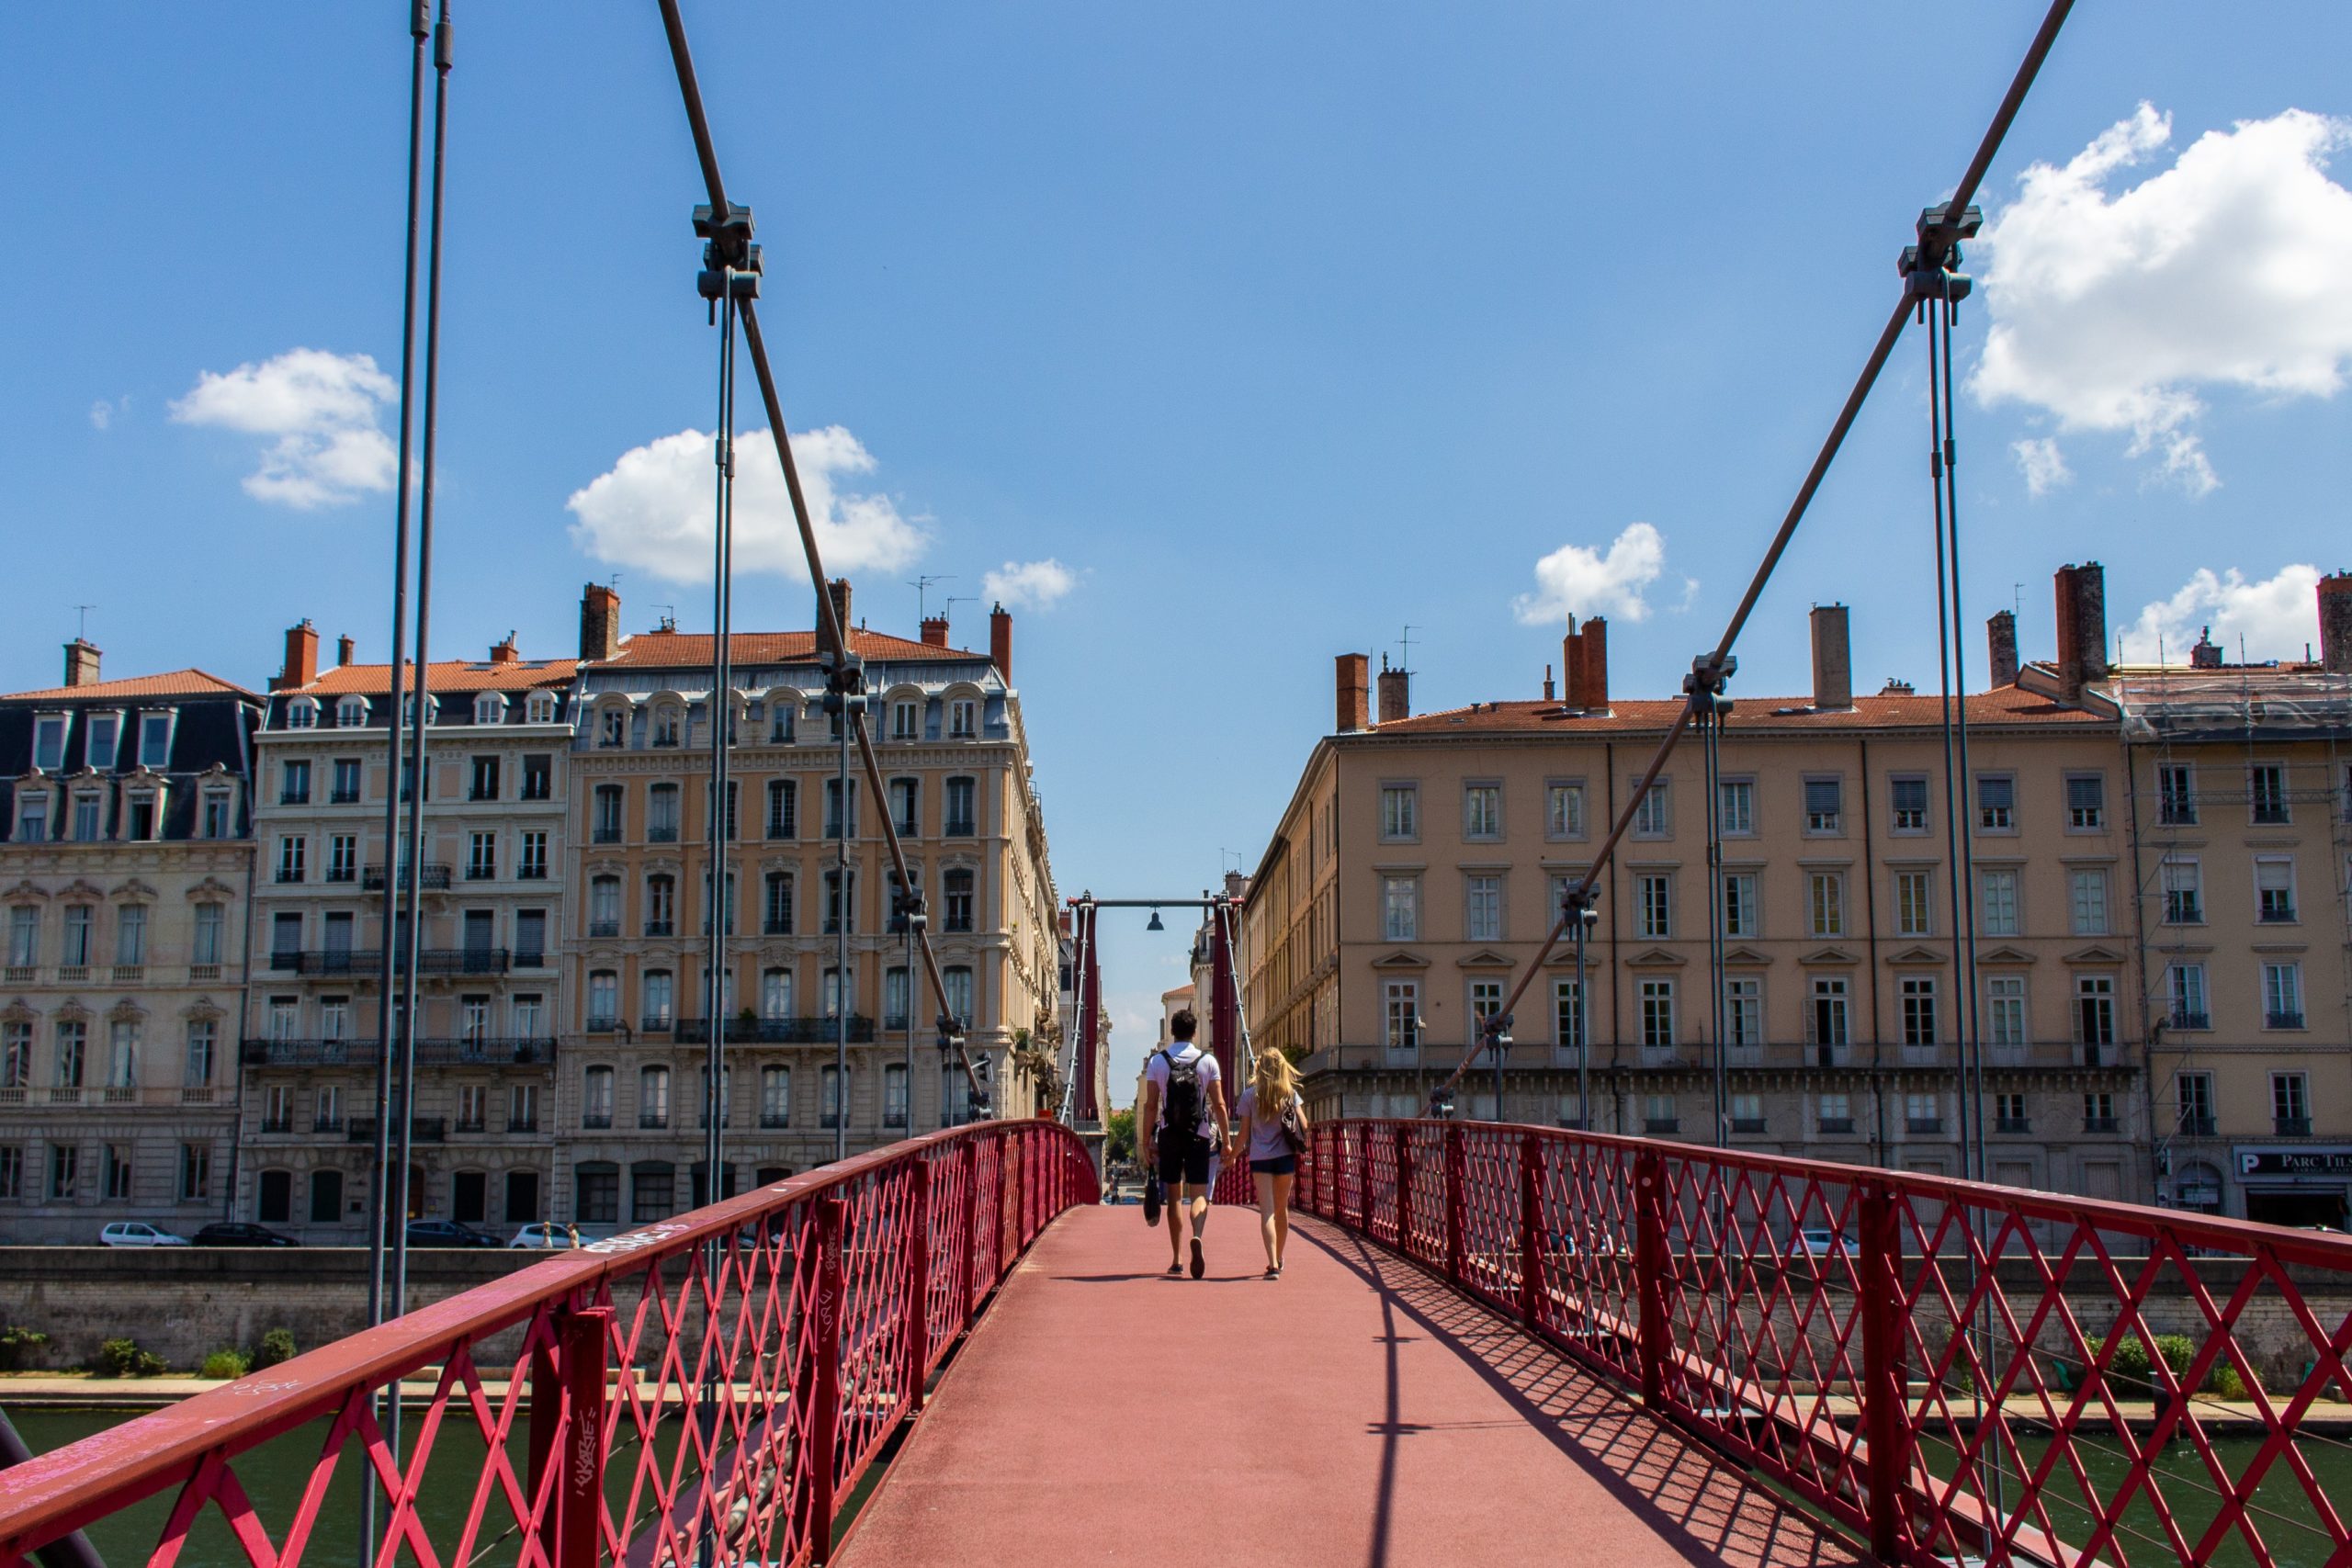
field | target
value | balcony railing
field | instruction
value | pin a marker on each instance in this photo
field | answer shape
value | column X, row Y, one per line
column 1834, row 1124
column 435, row 878
column 2293, row 1126
column 421, row 1129
column 2014, row 1124
column 1662, row 1125
column 661, row 835
column 596, row 1121
column 655, row 1024
column 777, row 1030
column 2283, row 1020
column 2102, row 1124
column 1750, row 1126
column 460, row 1050
column 661, row 928
column 772, row 1119
column 343, row 798
column 605, row 836
column 603, row 928
column 2182, row 1018
column 531, row 872
column 2197, row 1126
column 604, row 1025
column 1923, row 1123
column 370, row 961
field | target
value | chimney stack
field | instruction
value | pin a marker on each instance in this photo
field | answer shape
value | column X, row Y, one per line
column 1001, row 641
column 1354, row 681
column 82, row 657
column 2334, row 625
column 935, row 631
column 302, row 658
column 1396, row 693
column 1833, row 661
column 505, row 652
column 1589, row 687
column 838, row 592
column 345, row 650
column 1548, row 683
column 600, row 622
column 2081, row 627
column 2001, row 645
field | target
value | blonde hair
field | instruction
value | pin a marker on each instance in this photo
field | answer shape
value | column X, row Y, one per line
column 1274, row 1081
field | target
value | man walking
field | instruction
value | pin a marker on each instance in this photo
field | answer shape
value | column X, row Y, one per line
column 1183, row 1104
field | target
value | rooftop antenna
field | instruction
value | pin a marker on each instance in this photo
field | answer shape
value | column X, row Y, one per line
column 1405, row 648
column 948, row 609
column 922, row 585
column 1223, row 852
column 2016, row 600
column 82, row 622
column 669, row 622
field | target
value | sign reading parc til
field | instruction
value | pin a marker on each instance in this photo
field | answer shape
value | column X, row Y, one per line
column 2295, row 1162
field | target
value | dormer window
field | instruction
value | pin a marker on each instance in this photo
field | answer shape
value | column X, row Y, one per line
column 905, row 718
column 665, row 726
column 32, row 817
column 781, row 713
column 964, row 718
column 100, row 732
column 89, row 817
column 49, row 743
column 408, row 709
column 301, row 714
column 351, row 713
column 156, row 741
column 615, row 728
column 142, row 816
column 541, row 709
column 489, row 709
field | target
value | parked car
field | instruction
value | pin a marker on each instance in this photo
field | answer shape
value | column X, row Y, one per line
column 138, row 1233
column 1821, row 1240
column 446, row 1232
column 239, row 1232
column 545, row 1236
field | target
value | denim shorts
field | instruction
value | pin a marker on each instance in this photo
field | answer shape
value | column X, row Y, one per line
column 1280, row 1165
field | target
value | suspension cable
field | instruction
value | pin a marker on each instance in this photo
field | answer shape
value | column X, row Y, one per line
column 719, row 903
column 1934, row 243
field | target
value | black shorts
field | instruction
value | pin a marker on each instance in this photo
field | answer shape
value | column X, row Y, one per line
column 1183, row 1156
column 1280, row 1165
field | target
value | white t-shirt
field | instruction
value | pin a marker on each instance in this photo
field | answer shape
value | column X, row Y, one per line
column 1156, row 1070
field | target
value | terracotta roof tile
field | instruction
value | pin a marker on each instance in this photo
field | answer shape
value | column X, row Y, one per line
column 449, row 675
column 2004, row 706
column 191, row 683
column 664, row 650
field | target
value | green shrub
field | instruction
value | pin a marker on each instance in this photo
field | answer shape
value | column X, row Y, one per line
column 17, row 1342
column 276, row 1345
column 124, row 1358
column 2226, row 1382
column 227, row 1364
column 2178, row 1350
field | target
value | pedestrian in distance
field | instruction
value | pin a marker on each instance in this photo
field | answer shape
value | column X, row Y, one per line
column 1272, row 1132
column 1183, row 1104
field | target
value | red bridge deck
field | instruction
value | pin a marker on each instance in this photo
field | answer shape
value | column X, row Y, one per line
column 1357, row 1411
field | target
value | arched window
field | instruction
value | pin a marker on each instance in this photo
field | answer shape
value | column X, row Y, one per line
column 274, row 1198
column 489, row 709
column 302, row 713
column 653, row 1097
column 660, row 906
column 659, row 1004
column 958, row 912
column 668, row 731
column 613, row 729
column 604, row 906
column 597, row 1097
column 833, row 1097
column 777, row 911
column 351, row 713
column 604, row 1000
column 541, row 709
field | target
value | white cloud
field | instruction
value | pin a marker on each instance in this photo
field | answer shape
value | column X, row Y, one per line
column 320, row 410
column 1034, row 583
column 1577, row 581
column 2225, row 270
column 652, row 508
column 2277, row 617
column 2042, row 464
column 101, row 414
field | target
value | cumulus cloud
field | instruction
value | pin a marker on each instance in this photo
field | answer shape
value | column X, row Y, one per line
column 1577, row 579
column 2277, row 616
column 318, row 412
column 2042, row 464
column 652, row 508
column 1033, row 584
column 2111, row 312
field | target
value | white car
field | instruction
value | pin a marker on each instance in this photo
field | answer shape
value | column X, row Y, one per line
column 138, row 1233
column 1820, row 1242
column 543, row 1236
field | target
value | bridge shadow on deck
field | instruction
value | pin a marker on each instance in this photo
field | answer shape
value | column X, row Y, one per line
column 1357, row 1412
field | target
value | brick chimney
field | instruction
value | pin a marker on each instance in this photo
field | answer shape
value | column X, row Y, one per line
column 2001, row 647
column 2207, row 654
column 1548, row 683
column 1588, row 683
column 1355, row 683
column 1833, row 661
column 505, row 652
column 2081, row 627
column 600, row 622
column 1001, row 641
column 935, row 631
column 838, row 592
column 2334, row 625
column 302, row 658
column 1396, row 693
column 345, row 650
column 82, row 657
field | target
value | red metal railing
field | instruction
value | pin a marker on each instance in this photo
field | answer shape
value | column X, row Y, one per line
column 707, row 1389
column 1960, row 1370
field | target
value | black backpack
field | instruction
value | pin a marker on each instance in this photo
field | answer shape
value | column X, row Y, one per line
column 1180, row 1106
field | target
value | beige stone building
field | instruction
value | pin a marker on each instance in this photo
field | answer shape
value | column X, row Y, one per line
column 1419, row 866
column 494, row 861
column 123, row 877
column 948, row 728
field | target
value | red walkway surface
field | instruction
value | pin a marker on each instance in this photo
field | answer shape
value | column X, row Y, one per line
column 1355, row 1412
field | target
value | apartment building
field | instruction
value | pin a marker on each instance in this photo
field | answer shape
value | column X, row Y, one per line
column 2239, row 795
column 123, row 879
column 1419, row 865
column 493, row 860
column 948, row 728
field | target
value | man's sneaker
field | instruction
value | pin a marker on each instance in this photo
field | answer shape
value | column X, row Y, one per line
column 1200, row 1264
column 1151, row 1200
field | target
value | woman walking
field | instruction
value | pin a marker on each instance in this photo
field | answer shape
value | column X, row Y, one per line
column 1273, row 1130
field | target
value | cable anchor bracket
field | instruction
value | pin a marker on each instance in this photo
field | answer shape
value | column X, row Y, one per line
column 1930, row 269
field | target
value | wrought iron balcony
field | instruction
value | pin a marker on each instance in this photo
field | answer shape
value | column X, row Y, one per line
column 2014, row 1124
column 2182, row 1018
column 603, row 835
column 337, row 961
column 777, row 1030
column 435, row 878
column 421, row 1129
column 2102, row 1124
column 439, row 1050
column 661, row 835
column 2197, row 1126
column 1749, row 1126
column 2283, row 1020
column 1923, row 1123
column 603, row 928
column 1837, row 1124
column 1662, row 1125
column 2293, row 1126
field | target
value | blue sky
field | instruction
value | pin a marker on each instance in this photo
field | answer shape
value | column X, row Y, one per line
column 1278, row 328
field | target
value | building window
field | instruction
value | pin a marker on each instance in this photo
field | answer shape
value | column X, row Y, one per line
column 1743, row 1012
column 1748, row 1113
column 894, row 1094
column 2193, row 1101
column 2290, row 1105
column 905, row 721
column 1997, row 903
column 2269, row 789
column 118, row 1171
column 1740, row 909
column 100, row 731
column 1400, row 820
column 24, row 935
column 604, row 1000
column 481, row 857
column 662, row 814
column 1486, row 1001
column 1657, row 1014
column 2009, row 1113
column 776, row 904
column 48, row 743
column 2176, row 794
column 291, row 853
column 1401, row 1016
column 156, row 741
column 2086, row 801
column 1835, row 1113
column 958, row 887
column 2185, row 983
column 277, row 1109
column 727, row 827
column 1564, row 811
column 64, row 1172
column 16, row 1055
column 1735, row 806
column 830, row 1112
column 660, row 906
column 2098, row 1110
column 2087, row 900
column 653, row 1191
column 2282, row 996
column 1920, row 1009
column 653, row 1096
column 1825, row 805
column 2004, row 1009
column 294, row 782
column 784, row 809
column 32, row 817
column 957, row 979
column 1923, row 1113
column 485, row 784
column 1914, row 899
column 87, row 820
column 1483, row 909
column 963, row 719
column 840, row 916
column 1831, row 1025
column 1996, row 803
column 781, row 713
column 539, row 771
column 1400, row 908
column 2184, row 893
column 1567, row 1020
column 961, row 819
column 906, row 807
column 775, row 1097
column 1482, row 812
column 655, row 988
column 596, row 1098
column 1910, row 805
column 472, row 1107
column 604, row 906
column 1659, row 1114
column 130, row 936
column 197, row 1068
column 1826, row 902
column 2094, row 1014
column 897, row 997
column 2273, row 890
column 530, row 1017
column 1654, row 812
column 1654, row 904
column 833, row 813
column 79, row 922
column 532, row 866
